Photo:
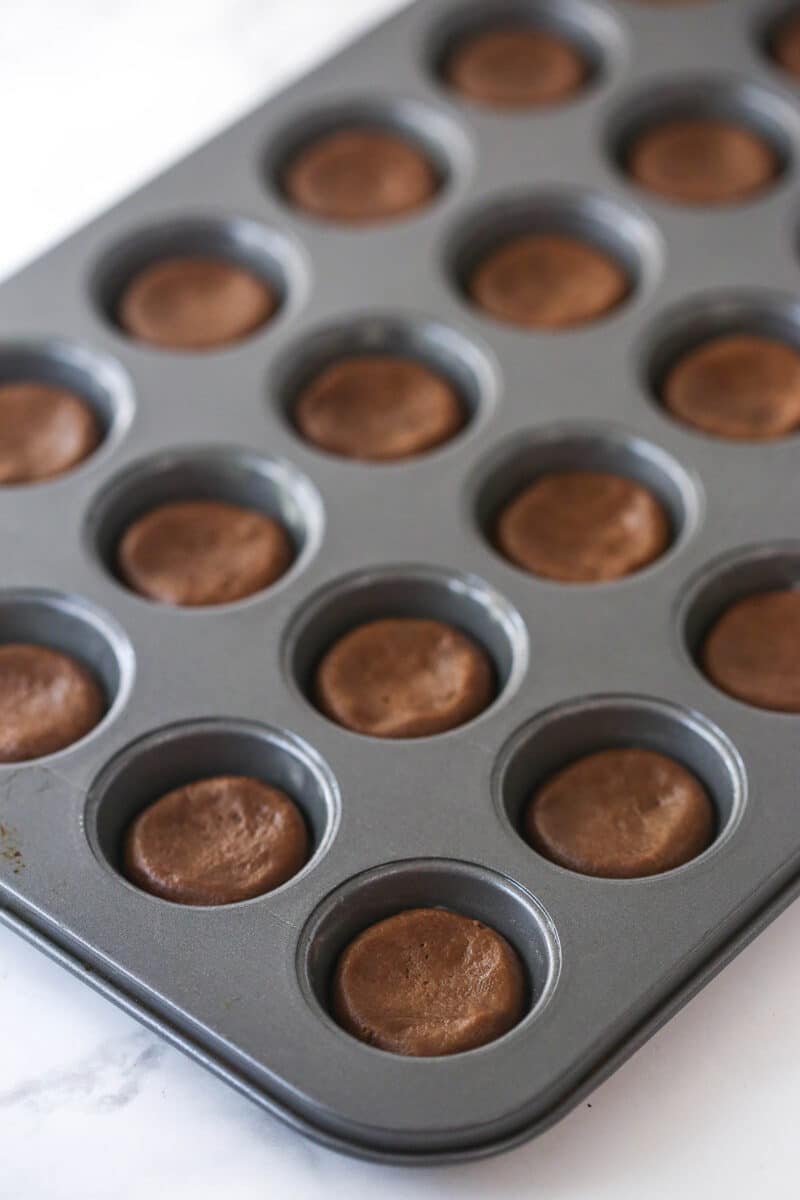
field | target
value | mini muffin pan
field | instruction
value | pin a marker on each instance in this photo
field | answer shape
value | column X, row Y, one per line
column 431, row 821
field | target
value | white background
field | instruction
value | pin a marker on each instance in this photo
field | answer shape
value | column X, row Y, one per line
column 95, row 96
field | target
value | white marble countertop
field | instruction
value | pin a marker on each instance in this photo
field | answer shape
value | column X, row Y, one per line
column 98, row 95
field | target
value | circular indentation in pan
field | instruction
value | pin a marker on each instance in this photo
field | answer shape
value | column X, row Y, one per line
column 463, row 601
column 242, row 242
column 93, row 377
column 229, row 474
column 690, row 325
column 462, row 887
column 179, row 754
column 515, row 465
column 75, row 627
column 568, row 732
column 745, row 572
column 435, row 133
column 622, row 233
column 444, row 350
column 776, row 34
column 593, row 33
column 740, row 102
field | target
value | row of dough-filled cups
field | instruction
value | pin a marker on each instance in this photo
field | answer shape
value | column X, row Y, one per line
column 174, row 755
column 79, row 629
column 448, row 149
column 449, row 153
column 471, row 370
column 275, row 489
column 597, row 40
column 631, row 240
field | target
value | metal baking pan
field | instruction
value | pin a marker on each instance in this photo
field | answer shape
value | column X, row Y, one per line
column 430, row 821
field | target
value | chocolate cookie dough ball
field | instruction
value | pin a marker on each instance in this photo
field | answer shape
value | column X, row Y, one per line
column 753, row 651
column 45, row 430
column 516, row 66
column 583, row 527
column 378, row 407
column 428, row 981
column 193, row 303
column 199, row 552
column 48, row 700
column 404, row 677
column 216, row 841
column 702, row 161
column 785, row 44
column 360, row 175
column 621, row 814
column 548, row 281
column 739, row 386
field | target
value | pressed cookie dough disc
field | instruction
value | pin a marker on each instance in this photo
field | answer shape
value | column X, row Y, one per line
column 428, row 981
column 404, row 677
column 216, row 841
column 199, row 552
column 48, row 700
column 621, row 814
column 194, row 303
column 378, row 408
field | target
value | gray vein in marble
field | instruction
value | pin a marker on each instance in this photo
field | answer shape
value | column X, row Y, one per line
column 106, row 1080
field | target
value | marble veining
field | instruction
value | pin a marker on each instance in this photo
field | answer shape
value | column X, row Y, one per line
column 110, row 1077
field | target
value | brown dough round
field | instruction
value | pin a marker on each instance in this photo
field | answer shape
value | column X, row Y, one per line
column 428, row 981
column 48, row 700
column 621, row 814
column 702, row 160
column 360, row 175
column 786, row 44
column 516, row 67
column 199, row 552
column 548, row 281
column 44, row 431
column 583, row 527
column 378, row 407
column 193, row 303
column 738, row 386
column 216, row 841
column 753, row 651
column 404, row 677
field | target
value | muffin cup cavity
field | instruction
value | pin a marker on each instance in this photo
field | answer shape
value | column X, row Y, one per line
column 741, row 102
column 232, row 475
column 770, row 27
column 433, row 132
column 464, row 888
column 593, row 33
column 692, row 324
column 625, row 235
column 236, row 240
column 559, row 737
column 91, row 376
column 77, row 628
column 516, row 466
column 179, row 754
column 735, row 576
column 444, row 350
column 462, row 601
